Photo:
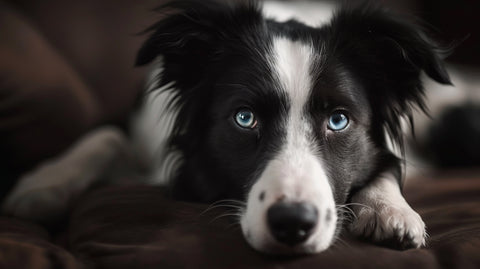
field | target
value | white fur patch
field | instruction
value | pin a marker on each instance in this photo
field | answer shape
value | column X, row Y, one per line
column 310, row 13
column 153, row 124
column 292, row 63
column 296, row 173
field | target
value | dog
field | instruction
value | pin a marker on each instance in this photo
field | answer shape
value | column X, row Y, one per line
column 293, row 119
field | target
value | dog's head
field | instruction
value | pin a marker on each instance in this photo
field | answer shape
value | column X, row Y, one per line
column 287, row 117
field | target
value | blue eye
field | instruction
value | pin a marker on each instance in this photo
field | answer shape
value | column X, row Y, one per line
column 337, row 121
column 245, row 119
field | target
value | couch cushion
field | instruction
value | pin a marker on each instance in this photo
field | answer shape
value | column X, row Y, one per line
column 44, row 104
column 100, row 39
column 24, row 245
column 139, row 227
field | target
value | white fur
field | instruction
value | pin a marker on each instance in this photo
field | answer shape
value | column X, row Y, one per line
column 152, row 125
column 296, row 173
column 310, row 13
column 382, row 213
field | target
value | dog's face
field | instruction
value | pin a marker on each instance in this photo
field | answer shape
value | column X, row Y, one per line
column 287, row 117
column 289, row 132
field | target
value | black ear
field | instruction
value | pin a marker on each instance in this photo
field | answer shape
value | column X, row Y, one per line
column 193, row 33
column 387, row 53
column 185, row 25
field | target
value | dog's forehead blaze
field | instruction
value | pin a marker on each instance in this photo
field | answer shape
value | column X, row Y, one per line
column 292, row 64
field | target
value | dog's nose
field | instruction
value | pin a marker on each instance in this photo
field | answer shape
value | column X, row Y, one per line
column 292, row 222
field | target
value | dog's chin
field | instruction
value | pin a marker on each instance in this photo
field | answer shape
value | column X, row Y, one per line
column 263, row 242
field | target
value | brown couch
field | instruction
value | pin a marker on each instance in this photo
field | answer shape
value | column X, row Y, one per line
column 109, row 230
column 66, row 67
column 137, row 227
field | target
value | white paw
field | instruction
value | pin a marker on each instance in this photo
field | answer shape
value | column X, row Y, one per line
column 46, row 193
column 46, row 204
column 393, row 224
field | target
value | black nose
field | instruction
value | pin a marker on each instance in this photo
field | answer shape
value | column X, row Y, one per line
column 291, row 223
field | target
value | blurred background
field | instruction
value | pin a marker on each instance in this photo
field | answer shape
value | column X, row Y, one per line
column 66, row 67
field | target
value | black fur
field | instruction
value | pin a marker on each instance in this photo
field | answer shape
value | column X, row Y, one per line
column 217, row 55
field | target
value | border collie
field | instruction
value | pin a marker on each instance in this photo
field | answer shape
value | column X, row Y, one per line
column 290, row 117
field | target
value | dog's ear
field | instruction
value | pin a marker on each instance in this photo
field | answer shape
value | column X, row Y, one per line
column 185, row 26
column 193, row 33
column 388, row 53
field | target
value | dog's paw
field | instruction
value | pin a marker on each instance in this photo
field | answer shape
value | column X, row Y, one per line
column 45, row 194
column 44, row 205
column 397, row 226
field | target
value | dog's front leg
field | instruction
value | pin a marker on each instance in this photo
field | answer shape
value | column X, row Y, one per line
column 383, row 215
column 46, row 193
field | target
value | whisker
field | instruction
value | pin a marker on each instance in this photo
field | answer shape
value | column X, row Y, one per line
column 230, row 201
column 346, row 217
column 235, row 224
column 358, row 204
column 347, row 210
column 224, row 215
column 339, row 243
column 363, row 205
column 218, row 204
